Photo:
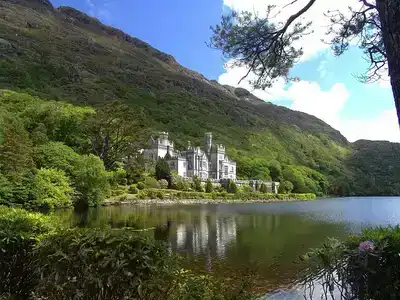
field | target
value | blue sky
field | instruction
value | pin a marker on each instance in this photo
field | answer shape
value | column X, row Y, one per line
column 328, row 87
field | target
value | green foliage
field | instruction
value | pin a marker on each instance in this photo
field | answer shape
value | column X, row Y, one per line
column 163, row 184
column 209, row 186
column 261, row 139
column 141, row 186
column 119, row 177
column 19, row 233
column 133, row 189
column 51, row 190
column 117, row 131
column 91, row 181
column 285, row 187
column 196, row 184
column 247, row 189
column 162, row 170
column 179, row 183
column 366, row 266
column 263, row 188
column 151, row 183
column 15, row 148
column 275, row 169
column 56, row 155
column 305, row 180
column 135, row 166
column 231, row 187
column 98, row 264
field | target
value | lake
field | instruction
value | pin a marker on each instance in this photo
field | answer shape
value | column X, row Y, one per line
column 266, row 238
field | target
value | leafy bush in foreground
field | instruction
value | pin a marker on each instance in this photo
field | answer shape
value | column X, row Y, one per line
column 19, row 233
column 94, row 264
column 363, row 267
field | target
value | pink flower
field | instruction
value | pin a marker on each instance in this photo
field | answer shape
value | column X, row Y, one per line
column 366, row 246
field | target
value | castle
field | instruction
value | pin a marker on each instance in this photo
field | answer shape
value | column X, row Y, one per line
column 212, row 162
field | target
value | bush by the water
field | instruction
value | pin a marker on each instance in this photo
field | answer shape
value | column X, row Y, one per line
column 94, row 264
column 19, row 233
column 163, row 184
column 366, row 266
column 40, row 260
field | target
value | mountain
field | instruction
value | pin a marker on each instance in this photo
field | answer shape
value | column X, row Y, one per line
column 64, row 54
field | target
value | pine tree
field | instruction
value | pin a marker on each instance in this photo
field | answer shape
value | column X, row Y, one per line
column 209, row 186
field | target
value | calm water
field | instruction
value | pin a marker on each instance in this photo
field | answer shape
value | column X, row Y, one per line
column 268, row 238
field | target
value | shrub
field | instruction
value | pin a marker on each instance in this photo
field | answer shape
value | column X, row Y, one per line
column 162, row 170
column 232, row 188
column 179, row 183
column 19, row 232
column 118, row 192
column 151, row 194
column 160, row 195
column 263, row 188
column 133, row 189
column 51, row 189
column 196, row 184
column 247, row 189
column 209, row 186
column 94, row 264
column 367, row 265
column 151, row 183
column 118, row 177
column 141, row 186
column 163, row 184
column 285, row 187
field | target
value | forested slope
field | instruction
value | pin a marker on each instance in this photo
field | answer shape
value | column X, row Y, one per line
column 63, row 54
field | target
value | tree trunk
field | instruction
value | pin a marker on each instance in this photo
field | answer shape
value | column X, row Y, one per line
column 389, row 15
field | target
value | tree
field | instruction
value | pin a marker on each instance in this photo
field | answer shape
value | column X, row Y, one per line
column 162, row 170
column 263, row 188
column 232, row 187
column 197, row 184
column 51, row 189
column 275, row 170
column 91, row 181
column 267, row 48
column 15, row 148
column 117, row 131
column 285, row 187
column 209, row 186
column 56, row 155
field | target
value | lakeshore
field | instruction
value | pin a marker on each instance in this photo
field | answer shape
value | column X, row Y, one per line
column 169, row 197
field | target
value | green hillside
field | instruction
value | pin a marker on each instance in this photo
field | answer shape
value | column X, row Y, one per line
column 63, row 54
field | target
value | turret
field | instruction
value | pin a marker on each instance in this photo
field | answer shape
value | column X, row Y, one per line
column 163, row 138
column 207, row 142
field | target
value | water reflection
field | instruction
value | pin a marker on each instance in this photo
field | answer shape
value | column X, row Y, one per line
column 226, row 239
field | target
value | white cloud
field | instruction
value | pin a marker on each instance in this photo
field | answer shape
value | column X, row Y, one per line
column 382, row 127
column 326, row 105
column 233, row 75
column 311, row 43
column 99, row 8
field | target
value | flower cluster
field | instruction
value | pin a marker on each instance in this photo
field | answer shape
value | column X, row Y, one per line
column 366, row 246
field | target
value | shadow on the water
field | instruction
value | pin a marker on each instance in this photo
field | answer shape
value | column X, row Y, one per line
column 163, row 232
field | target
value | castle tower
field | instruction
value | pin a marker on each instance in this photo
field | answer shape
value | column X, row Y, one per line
column 163, row 138
column 207, row 143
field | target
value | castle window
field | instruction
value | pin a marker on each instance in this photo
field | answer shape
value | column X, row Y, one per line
column 226, row 170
